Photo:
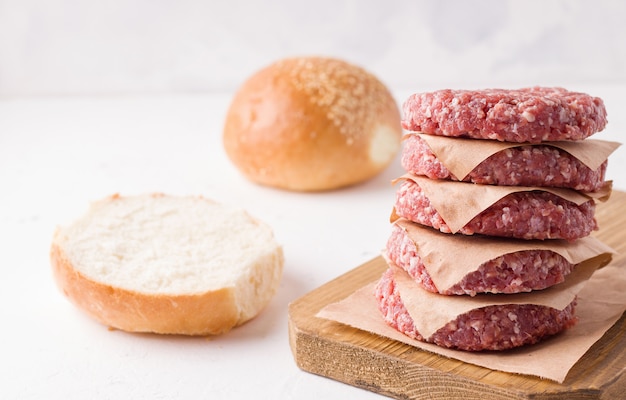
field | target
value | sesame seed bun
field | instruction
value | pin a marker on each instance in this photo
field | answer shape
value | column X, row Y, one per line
column 312, row 124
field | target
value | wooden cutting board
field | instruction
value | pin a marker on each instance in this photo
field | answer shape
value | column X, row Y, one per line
column 394, row 369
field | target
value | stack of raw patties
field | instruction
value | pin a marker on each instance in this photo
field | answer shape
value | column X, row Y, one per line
column 491, row 223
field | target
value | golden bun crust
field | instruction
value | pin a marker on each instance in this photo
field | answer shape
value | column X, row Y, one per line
column 312, row 124
column 209, row 313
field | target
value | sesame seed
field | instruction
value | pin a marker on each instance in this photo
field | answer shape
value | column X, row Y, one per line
column 353, row 97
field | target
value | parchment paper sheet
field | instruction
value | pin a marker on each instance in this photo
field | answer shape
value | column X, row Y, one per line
column 601, row 303
column 460, row 155
column 439, row 252
column 459, row 202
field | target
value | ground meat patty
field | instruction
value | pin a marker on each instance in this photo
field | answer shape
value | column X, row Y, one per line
column 529, row 165
column 522, row 215
column 490, row 328
column 525, row 115
column 518, row 272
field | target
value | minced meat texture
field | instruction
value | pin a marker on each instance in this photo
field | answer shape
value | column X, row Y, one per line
column 517, row 272
column 528, row 165
column 500, row 327
column 523, row 215
column 528, row 115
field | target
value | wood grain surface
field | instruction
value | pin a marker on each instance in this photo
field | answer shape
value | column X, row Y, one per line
column 397, row 370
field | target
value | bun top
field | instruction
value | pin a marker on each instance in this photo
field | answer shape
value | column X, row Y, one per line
column 312, row 123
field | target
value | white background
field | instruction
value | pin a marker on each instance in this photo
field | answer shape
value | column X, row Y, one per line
column 130, row 46
column 98, row 97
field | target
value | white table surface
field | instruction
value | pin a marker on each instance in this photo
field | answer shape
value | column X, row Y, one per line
column 59, row 154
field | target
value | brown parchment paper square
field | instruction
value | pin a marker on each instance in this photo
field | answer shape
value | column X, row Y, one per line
column 439, row 252
column 461, row 155
column 431, row 311
column 459, row 202
column 601, row 303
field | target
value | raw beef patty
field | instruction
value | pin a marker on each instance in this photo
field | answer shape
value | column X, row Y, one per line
column 490, row 328
column 528, row 115
column 523, row 215
column 528, row 165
